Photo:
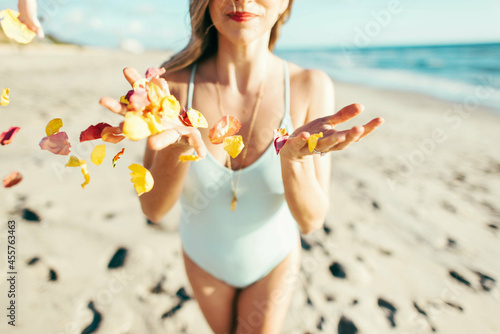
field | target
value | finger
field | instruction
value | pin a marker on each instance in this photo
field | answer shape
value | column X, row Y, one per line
column 131, row 75
column 163, row 139
column 194, row 140
column 346, row 114
column 330, row 140
column 370, row 126
column 39, row 30
column 352, row 135
column 113, row 105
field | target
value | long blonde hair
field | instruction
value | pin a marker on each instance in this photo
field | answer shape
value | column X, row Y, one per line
column 203, row 42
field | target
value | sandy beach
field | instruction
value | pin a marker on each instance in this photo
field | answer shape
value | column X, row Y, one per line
column 411, row 244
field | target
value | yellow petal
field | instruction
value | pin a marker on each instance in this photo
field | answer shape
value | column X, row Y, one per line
column 233, row 145
column 313, row 140
column 86, row 175
column 170, row 108
column 135, row 127
column 197, row 119
column 123, row 100
column 15, row 29
column 192, row 157
column 75, row 162
column 4, row 98
column 154, row 122
column 142, row 179
column 98, row 154
column 53, row 126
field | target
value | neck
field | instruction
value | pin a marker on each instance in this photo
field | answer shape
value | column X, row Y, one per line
column 241, row 67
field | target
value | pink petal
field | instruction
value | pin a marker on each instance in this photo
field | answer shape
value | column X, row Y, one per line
column 138, row 99
column 279, row 143
column 154, row 72
column 7, row 136
column 57, row 143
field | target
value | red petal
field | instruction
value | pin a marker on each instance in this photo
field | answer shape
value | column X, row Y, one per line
column 57, row 143
column 279, row 143
column 7, row 136
column 12, row 179
column 183, row 116
column 93, row 132
column 225, row 127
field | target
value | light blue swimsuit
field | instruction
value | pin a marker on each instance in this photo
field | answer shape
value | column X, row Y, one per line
column 238, row 247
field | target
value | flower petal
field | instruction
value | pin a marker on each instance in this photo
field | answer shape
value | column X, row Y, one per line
column 57, row 143
column 138, row 99
column 233, row 145
column 93, row 132
column 141, row 83
column 98, row 154
column 15, row 29
column 226, row 126
column 7, row 136
column 170, row 108
column 75, row 162
column 4, row 98
column 112, row 134
column 280, row 138
column 192, row 157
column 154, row 72
column 117, row 156
column 141, row 178
column 135, row 127
column 312, row 141
column 53, row 126
column 192, row 117
column 12, row 179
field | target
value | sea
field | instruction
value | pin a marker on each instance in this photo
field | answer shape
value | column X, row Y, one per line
column 465, row 74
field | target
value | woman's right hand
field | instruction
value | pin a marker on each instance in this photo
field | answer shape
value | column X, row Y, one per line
column 175, row 134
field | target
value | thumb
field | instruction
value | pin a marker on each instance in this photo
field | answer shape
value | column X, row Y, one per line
column 39, row 30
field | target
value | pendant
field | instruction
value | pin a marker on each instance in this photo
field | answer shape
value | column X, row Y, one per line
column 233, row 202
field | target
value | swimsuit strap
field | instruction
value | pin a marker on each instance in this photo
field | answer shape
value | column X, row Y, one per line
column 191, row 86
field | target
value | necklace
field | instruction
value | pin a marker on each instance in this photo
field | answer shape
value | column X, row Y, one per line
column 234, row 187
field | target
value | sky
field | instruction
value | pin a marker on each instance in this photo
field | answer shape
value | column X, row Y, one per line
column 164, row 24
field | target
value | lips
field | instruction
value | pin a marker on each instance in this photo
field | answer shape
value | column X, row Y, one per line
column 242, row 16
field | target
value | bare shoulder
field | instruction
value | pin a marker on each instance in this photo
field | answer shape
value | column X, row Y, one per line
column 314, row 88
column 178, row 83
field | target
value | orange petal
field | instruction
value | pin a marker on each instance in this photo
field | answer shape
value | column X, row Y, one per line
column 15, row 29
column 135, row 127
column 192, row 157
column 233, row 145
column 112, row 134
column 312, row 141
column 7, row 136
column 53, row 126
column 280, row 138
column 12, row 179
column 93, row 132
column 225, row 127
column 141, row 178
column 117, row 156
column 4, row 98
column 192, row 117
column 98, row 154
column 57, row 143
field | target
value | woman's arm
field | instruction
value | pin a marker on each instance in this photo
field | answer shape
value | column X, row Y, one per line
column 306, row 179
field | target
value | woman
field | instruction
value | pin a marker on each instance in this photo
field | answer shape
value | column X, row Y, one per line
column 241, row 218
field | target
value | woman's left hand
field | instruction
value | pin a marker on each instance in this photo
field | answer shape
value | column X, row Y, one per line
column 296, row 146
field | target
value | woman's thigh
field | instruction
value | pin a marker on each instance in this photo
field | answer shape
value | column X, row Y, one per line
column 216, row 298
column 262, row 307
